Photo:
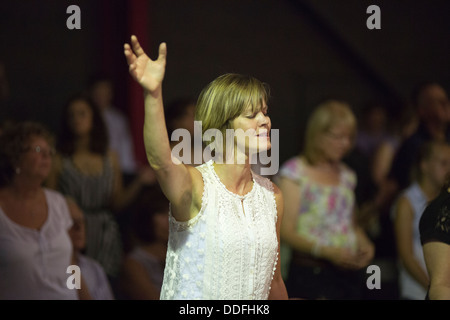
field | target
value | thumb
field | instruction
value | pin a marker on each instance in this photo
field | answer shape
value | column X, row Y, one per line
column 162, row 52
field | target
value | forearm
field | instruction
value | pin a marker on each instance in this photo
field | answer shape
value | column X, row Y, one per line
column 306, row 246
column 156, row 140
column 439, row 292
column 416, row 271
column 362, row 238
column 297, row 242
column 278, row 289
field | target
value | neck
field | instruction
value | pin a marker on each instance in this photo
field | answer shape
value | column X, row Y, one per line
column 25, row 188
column 236, row 177
column 75, row 258
column 430, row 189
column 327, row 165
column 82, row 144
column 437, row 130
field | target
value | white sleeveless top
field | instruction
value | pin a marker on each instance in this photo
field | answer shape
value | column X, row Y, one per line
column 409, row 287
column 229, row 250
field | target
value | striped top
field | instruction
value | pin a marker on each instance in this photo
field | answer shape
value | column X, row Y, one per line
column 93, row 194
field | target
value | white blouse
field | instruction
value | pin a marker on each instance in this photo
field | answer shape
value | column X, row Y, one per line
column 33, row 263
column 229, row 250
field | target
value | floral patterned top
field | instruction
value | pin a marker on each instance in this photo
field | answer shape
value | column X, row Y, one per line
column 326, row 211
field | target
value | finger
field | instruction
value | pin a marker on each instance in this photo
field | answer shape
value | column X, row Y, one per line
column 129, row 55
column 136, row 46
column 162, row 52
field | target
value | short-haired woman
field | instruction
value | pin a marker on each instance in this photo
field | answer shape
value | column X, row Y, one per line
column 224, row 219
column 35, row 247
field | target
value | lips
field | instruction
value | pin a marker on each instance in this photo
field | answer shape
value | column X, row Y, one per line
column 264, row 134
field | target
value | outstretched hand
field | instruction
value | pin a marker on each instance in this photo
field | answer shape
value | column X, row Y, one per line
column 148, row 73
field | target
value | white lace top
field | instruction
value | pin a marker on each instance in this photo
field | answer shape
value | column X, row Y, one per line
column 229, row 250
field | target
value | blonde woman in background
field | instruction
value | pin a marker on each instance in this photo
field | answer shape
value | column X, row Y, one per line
column 328, row 247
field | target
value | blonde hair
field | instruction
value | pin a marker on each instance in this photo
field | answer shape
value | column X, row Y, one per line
column 227, row 97
column 325, row 116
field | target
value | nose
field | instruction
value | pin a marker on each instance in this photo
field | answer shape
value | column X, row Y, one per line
column 263, row 119
column 48, row 153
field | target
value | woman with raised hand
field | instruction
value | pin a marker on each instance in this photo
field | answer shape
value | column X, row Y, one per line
column 224, row 219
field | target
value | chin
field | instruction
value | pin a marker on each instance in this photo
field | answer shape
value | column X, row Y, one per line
column 258, row 147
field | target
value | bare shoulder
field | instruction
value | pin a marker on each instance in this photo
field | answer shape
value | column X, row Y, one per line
column 278, row 194
column 276, row 190
column 403, row 206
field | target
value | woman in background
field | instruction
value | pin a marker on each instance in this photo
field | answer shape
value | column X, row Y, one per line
column 35, row 248
column 328, row 247
column 143, row 268
column 87, row 171
column 433, row 165
column 434, row 228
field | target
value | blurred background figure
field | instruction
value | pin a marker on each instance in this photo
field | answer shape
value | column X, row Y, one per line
column 433, row 109
column 383, row 155
column 143, row 269
column 101, row 91
column 373, row 128
column 95, row 277
column 180, row 114
column 35, row 248
column 319, row 226
column 86, row 170
column 434, row 228
column 432, row 167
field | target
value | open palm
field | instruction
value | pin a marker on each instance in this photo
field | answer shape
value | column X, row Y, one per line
column 148, row 73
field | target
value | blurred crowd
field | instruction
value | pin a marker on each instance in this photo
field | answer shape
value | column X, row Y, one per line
column 78, row 197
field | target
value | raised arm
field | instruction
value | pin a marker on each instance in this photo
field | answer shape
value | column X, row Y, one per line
column 174, row 178
column 150, row 74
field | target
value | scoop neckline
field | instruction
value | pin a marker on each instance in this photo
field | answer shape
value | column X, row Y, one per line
column 29, row 229
column 302, row 164
column 241, row 197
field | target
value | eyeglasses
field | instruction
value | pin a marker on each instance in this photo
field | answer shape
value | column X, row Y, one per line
column 38, row 149
column 338, row 137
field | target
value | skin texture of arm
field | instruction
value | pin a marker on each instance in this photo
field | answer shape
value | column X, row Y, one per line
column 403, row 227
column 278, row 288
column 181, row 184
column 437, row 257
